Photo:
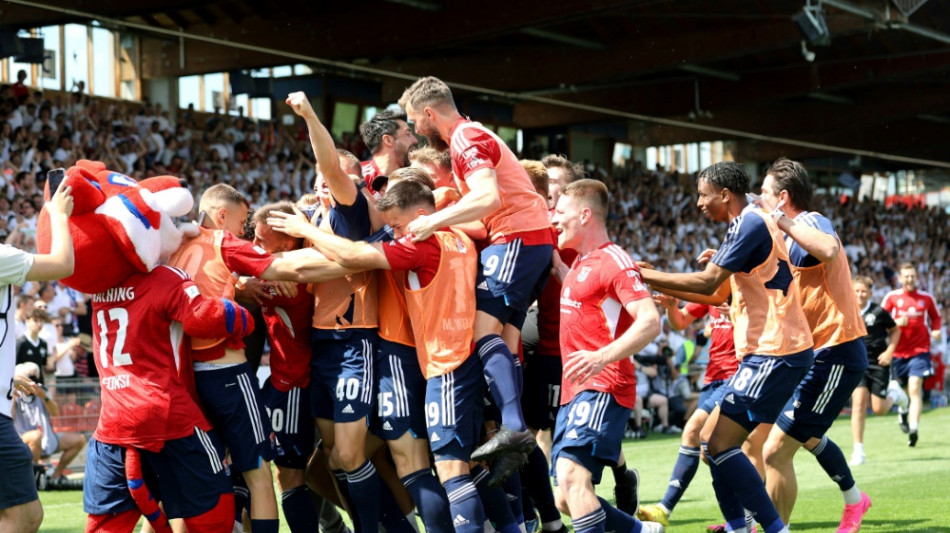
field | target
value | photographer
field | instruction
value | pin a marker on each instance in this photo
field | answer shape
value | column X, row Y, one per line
column 656, row 363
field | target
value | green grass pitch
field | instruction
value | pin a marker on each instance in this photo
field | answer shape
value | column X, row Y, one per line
column 909, row 486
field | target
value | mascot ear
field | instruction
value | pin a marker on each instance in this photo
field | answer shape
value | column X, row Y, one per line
column 87, row 196
column 171, row 198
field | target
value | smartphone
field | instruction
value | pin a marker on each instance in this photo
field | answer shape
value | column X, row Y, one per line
column 54, row 178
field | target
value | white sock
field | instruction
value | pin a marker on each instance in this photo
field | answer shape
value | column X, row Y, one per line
column 667, row 511
column 858, row 447
column 552, row 526
column 913, row 427
column 852, row 495
column 411, row 518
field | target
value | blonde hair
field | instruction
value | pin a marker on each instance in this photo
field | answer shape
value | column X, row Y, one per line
column 538, row 174
column 591, row 193
column 426, row 92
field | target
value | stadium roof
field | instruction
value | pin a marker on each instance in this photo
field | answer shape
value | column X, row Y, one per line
column 880, row 83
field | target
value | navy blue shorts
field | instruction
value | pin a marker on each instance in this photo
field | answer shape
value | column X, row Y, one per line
column 232, row 402
column 826, row 389
column 188, row 476
column 402, row 388
column 589, row 432
column 542, row 391
column 511, row 276
column 342, row 386
column 292, row 422
column 761, row 387
column 16, row 463
column 454, row 411
column 710, row 395
column 918, row 366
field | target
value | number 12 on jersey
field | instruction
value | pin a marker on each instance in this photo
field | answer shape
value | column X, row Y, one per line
column 120, row 317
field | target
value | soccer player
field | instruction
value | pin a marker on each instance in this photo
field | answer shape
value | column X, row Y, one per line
column 881, row 340
column 514, row 266
column 918, row 318
column 389, row 138
column 830, row 306
column 722, row 365
column 439, row 277
column 20, row 508
column 285, row 393
column 607, row 314
column 228, row 390
column 344, row 332
column 772, row 337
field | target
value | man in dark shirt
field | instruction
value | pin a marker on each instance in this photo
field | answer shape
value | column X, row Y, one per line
column 30, row 348
column 876, row 385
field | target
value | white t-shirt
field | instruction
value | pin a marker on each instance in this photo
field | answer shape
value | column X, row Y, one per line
column 14, row 266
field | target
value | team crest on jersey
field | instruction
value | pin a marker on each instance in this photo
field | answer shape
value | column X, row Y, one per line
column 900, row 302
column 869, row 319
column 585, row 271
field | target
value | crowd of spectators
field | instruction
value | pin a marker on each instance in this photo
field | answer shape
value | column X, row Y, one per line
column 653, row 215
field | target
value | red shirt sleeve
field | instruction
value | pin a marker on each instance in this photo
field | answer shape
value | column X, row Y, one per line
column 419, row 257
column 697, row 310
column 474, row 149
column 243, row 257
column 181, row 292
column 625, row 283
column 934, row 313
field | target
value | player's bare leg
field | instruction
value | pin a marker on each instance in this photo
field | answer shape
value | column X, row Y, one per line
column 780, row 480
column 260, row 483
column 23, row 518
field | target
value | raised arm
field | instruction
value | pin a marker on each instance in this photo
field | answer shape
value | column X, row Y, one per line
column 60, row 261
column 341, row 186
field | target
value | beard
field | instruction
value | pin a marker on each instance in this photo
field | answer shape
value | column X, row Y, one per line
column 436, row 142
column 432, row 135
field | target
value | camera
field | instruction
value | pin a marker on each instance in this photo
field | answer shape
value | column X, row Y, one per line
column 650, row 360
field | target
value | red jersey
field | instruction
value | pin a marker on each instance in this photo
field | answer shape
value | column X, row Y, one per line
column 288, row 330
column 523, row 212
column 370, row 172
column 141, row 355
column 593, row 300
column 549, row 312
column 917, row 306
column 722, row 344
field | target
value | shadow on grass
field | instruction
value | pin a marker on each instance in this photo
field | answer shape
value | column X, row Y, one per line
column 904, row 526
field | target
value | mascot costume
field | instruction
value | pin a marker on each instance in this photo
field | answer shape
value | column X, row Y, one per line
column 152, row 442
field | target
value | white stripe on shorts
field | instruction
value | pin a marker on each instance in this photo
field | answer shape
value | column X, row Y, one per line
column 253, row 413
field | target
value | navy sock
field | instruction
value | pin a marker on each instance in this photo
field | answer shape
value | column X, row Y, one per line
column 344, row 485
column 468, row 515
column 595, row 522
column 527, row 506
column 431, row 501
column 503, row 380
column 364, row 487
column 495, row 501
column 391, row 516
column 536, row 480
column 832, row 460
column 299, row 512
column 242, row 499
column 615, row 519
column 512, row 488
column 687, row 462
column 265, row 526
column 731, row 469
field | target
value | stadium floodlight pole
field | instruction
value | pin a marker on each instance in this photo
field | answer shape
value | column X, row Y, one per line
column 728, row 132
